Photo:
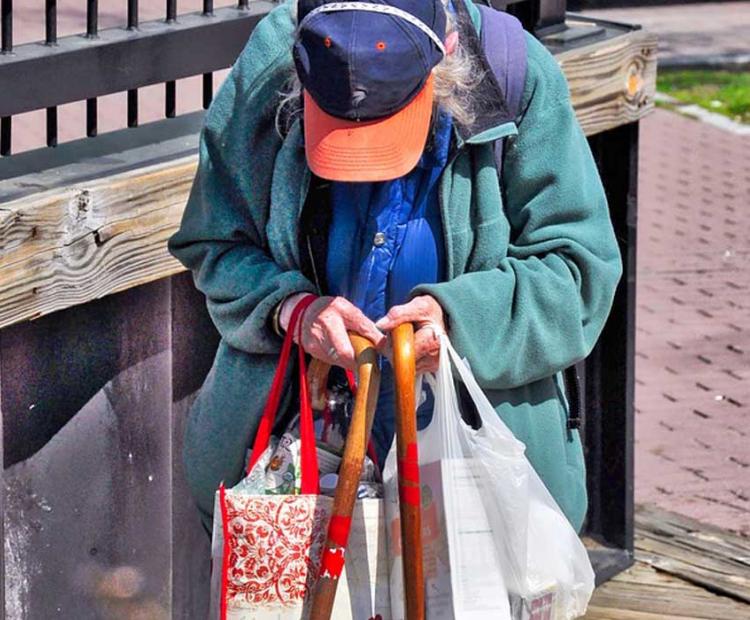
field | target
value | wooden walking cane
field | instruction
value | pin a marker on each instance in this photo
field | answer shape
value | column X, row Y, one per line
column 404, row 366
column 350, row 470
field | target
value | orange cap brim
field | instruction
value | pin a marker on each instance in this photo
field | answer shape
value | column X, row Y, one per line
column 380, row 150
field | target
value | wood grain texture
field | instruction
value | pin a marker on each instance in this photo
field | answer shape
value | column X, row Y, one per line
column 410, row 505
column 612, row 82
column 683, row 569
column 707, row 556
column 350, row 470
column 67, row 246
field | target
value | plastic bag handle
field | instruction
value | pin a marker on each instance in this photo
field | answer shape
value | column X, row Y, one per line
column 268, row 418
column 467, row 377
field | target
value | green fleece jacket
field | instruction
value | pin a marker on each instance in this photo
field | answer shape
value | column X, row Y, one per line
column 531, row 270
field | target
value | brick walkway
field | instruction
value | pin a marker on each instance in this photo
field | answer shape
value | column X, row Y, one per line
column 693, row 332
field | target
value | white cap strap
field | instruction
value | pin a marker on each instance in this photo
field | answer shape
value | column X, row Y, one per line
column 376, row 8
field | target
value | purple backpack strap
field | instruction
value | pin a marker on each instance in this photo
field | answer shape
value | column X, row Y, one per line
column 504, row 46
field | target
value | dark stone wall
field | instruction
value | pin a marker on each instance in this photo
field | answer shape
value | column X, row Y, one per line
column 98, row 522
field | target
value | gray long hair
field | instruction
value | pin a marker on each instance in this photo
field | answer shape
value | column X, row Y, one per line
column 454, row 79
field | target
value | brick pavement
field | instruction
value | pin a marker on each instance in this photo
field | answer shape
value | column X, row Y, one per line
column 693, row 332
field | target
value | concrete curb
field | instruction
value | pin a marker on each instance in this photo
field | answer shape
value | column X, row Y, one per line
column 697, row 112
column 727, row 62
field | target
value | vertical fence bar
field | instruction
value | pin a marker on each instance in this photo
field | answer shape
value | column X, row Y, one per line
column 170, row 88
column 6, row 33
column 132, row 14
column 133, row 107
column 50, row 22
column 52, row 126
column 92, row 19
column 7, row 25
column 208, row 78
column 133, row 93
column 92, row 32
column 5, row 125
column 50, row 38
column 92, row 127
column 208, row 89
column 170, row 99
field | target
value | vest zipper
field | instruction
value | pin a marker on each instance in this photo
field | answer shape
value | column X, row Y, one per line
column 312, row 263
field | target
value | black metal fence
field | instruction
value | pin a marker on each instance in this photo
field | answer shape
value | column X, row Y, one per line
column 45, row 75
column 38, row 76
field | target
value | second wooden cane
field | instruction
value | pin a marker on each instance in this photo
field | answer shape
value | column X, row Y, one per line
column 404, row 366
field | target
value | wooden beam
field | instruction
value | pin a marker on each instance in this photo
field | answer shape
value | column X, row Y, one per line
column 612, row 82
column 683, row 569
column 64, row 247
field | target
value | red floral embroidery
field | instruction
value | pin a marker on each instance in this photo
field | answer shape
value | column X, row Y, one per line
column 275, row 542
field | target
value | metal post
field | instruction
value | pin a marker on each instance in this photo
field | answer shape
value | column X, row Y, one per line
column 6, row 33
column 610, row 377
column 92, row 30
column 208, row 78
column 133, row 92
column 6, row 30
column 50, row 31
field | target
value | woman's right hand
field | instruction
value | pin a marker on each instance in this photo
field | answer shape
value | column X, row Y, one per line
column 324, row 329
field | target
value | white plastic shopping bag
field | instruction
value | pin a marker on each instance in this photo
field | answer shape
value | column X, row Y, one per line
column 496, row 543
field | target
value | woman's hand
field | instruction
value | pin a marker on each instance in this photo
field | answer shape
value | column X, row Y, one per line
column 324, row 329
column 427, row 315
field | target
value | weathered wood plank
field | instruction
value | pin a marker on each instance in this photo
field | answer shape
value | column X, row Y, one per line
column 657, row 586
column 611, row 82
column 65, row 247
column 68, row 246
column 706, row 556
column 644, row 592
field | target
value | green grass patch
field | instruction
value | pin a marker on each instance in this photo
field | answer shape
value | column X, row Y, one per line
column 724, row 92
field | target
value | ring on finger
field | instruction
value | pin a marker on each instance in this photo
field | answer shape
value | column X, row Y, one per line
column 332, row 353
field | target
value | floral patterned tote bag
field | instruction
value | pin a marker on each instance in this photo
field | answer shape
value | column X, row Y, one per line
column 266, row 546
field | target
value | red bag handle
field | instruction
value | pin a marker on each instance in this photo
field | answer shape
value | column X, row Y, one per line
column 308, row 454
column 310, row 484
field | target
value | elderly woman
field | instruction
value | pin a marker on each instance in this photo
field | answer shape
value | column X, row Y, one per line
column 349, row 154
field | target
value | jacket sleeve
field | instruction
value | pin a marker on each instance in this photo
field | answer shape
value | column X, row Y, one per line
column 222, row 237
column 543, row 307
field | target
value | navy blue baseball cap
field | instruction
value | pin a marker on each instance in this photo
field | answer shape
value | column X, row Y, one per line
column 365, row 69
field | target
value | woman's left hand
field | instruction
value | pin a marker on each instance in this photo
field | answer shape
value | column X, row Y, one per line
column 427, row 315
